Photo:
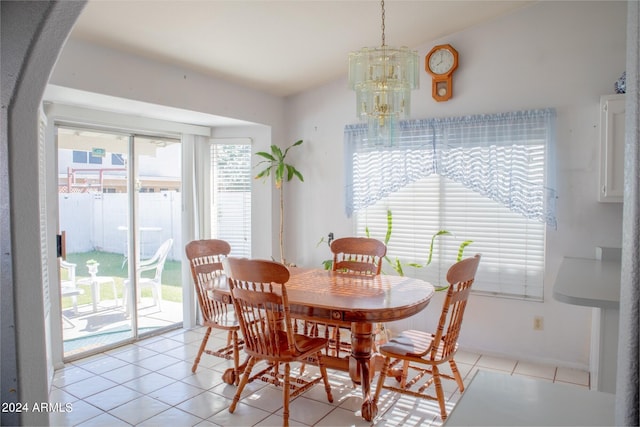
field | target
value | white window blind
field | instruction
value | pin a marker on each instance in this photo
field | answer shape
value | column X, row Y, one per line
column 511, row 245
column 231, row 195
column 486, row 178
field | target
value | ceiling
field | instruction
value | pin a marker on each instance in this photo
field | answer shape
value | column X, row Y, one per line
column 279, row 47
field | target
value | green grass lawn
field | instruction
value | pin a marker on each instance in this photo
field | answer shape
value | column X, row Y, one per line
column 113, row 265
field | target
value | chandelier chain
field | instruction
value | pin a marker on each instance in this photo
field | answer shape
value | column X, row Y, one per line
column 382, row 6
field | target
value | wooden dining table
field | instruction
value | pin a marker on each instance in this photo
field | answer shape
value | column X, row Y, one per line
column 357, row 302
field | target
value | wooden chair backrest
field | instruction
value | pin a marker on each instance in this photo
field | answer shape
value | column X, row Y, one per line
column 460, row 276
column 205, row 260
column 260, row 300
column 361, row 255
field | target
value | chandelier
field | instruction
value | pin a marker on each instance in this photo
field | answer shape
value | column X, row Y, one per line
column 383, row 78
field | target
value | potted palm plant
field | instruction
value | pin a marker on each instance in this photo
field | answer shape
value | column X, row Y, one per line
column 275, row 162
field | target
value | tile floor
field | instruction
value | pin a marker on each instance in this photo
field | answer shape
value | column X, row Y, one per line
column 150, row 384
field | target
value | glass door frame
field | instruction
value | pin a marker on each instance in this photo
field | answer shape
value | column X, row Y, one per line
column 136, row 240
column 133, row 243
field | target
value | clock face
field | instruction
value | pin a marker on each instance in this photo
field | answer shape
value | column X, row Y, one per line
column 441, row 61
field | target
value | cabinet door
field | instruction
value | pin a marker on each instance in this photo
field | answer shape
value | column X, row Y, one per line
column 612, row 118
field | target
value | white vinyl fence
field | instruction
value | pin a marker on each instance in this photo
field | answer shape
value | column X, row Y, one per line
column 98, row 221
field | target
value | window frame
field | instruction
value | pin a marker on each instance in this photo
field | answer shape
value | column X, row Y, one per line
column 240, row 244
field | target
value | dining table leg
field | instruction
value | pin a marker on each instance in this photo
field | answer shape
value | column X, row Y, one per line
column 359, row 365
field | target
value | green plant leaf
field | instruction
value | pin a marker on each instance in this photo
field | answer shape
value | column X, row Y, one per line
column 398, row 267
column 269, row 162
column 389, row 227
column 298, row 174
column 433, row 239
column 265, row 173
column 461, row 249
column 277, row 153
column 266, row 156
column 289, row 172
column 295, row 144
column 292, row 171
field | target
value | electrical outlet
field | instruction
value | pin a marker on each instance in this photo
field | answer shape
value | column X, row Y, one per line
column 538, row 323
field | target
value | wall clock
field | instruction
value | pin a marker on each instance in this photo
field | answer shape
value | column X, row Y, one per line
column 441, row 62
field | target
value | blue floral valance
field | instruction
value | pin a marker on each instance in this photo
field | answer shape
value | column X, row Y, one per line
column 508, row 157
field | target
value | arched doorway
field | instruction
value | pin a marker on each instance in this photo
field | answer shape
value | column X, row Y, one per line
column 33, row 34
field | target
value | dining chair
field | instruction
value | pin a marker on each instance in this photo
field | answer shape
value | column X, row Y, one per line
column 355, row 255
column 260, row 299
column 423, row 352
column 205, row 261
column 155, row 264
column 359, row 255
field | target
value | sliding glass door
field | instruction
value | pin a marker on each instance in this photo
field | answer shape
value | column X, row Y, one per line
column 157, row 242
column 120, row 213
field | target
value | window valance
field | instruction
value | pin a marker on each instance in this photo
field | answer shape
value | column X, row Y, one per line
column 508, row 157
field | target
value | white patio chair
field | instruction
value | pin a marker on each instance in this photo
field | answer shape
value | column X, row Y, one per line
column 156, row 262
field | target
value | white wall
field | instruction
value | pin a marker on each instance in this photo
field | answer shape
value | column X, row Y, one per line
column 563, row 55
column 101, row 70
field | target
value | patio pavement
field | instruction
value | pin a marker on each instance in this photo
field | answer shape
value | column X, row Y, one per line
column 109, row 323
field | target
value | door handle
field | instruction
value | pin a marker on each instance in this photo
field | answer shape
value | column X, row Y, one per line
column 61, row 245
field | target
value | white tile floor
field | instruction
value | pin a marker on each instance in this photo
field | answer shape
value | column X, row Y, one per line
column 150, row 384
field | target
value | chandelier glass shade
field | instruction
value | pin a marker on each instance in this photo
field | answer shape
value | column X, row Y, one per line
column 383, row 78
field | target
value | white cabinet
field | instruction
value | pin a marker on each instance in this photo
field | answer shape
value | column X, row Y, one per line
column 612, row 119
